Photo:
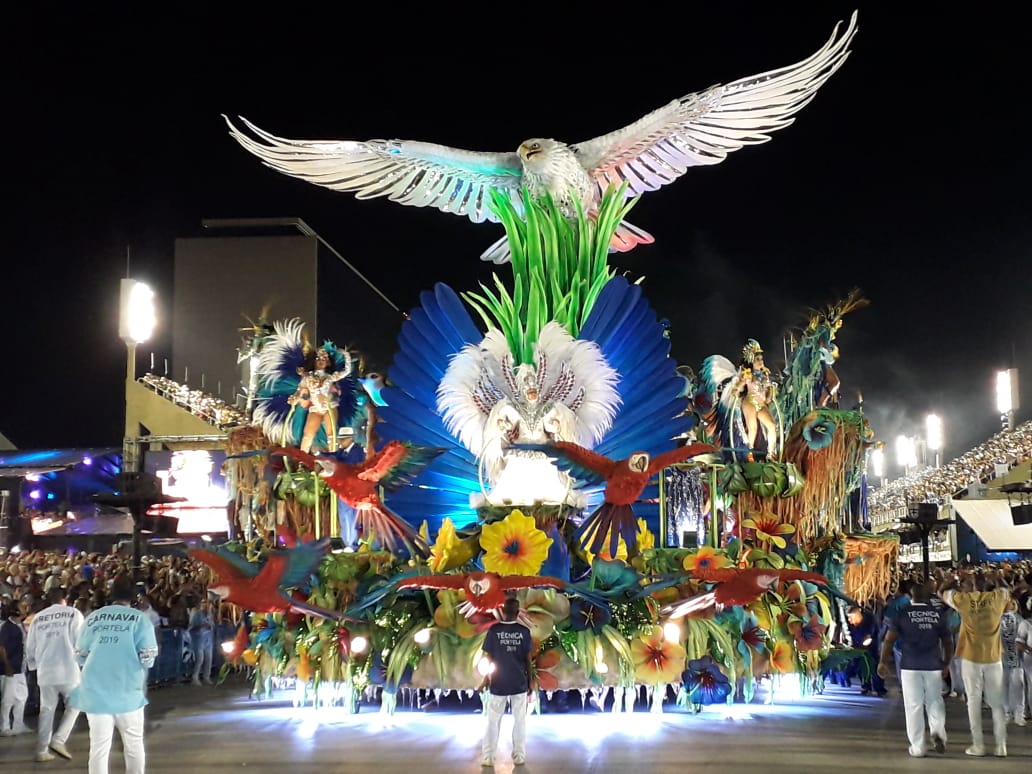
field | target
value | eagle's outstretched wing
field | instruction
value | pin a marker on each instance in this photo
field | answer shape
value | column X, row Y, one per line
column 704, row 127
column 419, row 174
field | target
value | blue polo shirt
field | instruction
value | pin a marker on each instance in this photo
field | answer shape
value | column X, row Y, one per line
column 507, row 644
column 924, row 629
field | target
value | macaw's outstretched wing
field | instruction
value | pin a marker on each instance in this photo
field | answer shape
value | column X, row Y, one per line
column 229, row 566
column 375, row 589
column 296, row 454
column 295, row 566
column 678, row 455
column 305, row 608
column 530, row 582
column 583, row 464
column 803, row 575
column 433, row 582
column 400, row 462
column 717, row 574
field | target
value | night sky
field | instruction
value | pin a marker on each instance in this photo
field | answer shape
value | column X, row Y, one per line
column 907, row 177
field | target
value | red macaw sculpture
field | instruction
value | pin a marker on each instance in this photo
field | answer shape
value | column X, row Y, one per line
column 263, row 588
column 625, row 480
column 358, row 485
column 737, row 586
column 485, row 591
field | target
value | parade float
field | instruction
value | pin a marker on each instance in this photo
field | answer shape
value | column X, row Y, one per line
column 670, row 538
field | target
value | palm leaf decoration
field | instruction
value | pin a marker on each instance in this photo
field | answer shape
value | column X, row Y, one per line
column 559, row 267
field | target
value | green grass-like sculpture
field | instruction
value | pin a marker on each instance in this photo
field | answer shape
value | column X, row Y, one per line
column 559, row 266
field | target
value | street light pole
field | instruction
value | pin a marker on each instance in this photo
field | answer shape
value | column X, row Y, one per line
column 933, row 433
column 905, row 453
column 1007, row 396
column 135, row 325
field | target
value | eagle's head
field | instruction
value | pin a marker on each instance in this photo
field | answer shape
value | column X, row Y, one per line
column 537, row 150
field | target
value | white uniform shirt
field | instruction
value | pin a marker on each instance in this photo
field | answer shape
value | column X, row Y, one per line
column 1025, row 636
column 50, row 646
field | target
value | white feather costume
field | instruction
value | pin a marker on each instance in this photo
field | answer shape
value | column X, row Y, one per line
column 568, row 393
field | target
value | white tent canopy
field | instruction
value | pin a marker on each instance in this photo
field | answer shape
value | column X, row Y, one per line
column 991, row 520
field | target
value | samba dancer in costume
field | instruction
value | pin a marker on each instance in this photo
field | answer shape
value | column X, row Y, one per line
column 303, row 390
column 755, row 387
column 319, row 394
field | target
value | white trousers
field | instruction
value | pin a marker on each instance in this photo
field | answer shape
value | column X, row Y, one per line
column 922, row 695
column 1026, row 666
column 130, row 728
column 984, row 679
column 14, row 692
column 1014, row 691
column 495, row 710
column 956, row 678
column 48, row 698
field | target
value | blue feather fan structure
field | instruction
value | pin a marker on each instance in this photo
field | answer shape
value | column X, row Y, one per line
column 629, row 335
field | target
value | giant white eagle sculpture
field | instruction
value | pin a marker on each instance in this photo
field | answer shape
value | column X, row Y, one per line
column 696, row 129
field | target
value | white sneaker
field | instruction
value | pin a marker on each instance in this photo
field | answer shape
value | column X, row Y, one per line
column 44, row 757
column 487, row 763
column 975, row 751
column 1020, row 721
column 518, row 760
column 60, row 749
column 1001, row 751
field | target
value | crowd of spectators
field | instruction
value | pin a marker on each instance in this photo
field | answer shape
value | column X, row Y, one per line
column 983, row 463
column 171, row 588
column 211, row 409
column 170, row 582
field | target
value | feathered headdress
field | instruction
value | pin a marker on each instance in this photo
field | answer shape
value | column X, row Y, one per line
column 751, row 349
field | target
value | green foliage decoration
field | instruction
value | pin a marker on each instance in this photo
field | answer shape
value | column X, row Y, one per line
column 559, row 267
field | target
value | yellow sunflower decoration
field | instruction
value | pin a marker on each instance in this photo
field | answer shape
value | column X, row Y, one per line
column 514, row 545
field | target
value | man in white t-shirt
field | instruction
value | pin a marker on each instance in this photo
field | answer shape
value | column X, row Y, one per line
column 1023, row 642
column 50, row 650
